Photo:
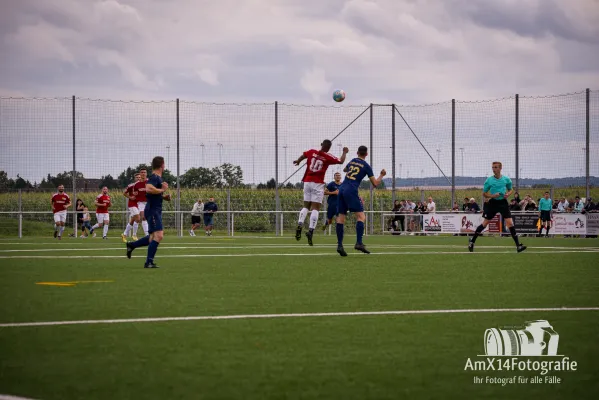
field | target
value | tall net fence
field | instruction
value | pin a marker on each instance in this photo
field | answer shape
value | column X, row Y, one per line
column 242, row 154
column 594, row 136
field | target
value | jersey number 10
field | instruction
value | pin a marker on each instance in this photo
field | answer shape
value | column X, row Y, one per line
column 316, row 165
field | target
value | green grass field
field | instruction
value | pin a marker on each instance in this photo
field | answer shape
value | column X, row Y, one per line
column 324, row 356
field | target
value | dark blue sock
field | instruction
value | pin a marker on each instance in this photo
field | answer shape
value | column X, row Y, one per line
column 152, row 248
column 144, row 241
column 359, row 231
column 339, row 228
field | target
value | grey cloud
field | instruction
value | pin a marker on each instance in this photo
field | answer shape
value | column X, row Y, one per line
column 528, row 19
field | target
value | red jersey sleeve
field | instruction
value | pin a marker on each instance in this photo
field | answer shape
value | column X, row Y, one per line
column 309, row 153
column 331, row 159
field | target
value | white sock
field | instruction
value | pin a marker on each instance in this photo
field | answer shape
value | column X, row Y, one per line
column 135, row 226
column 105, row 230
column 313, row 219
column 95, row 226
column 127, row 229
column 60, row 231
column 56, row 227
column 144, row 225
column 302, row 216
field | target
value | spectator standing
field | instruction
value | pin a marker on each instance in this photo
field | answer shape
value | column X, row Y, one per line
column 209, row 209
column 562, row 206
column 473, row 207
column 578, row 205
column 196, row 216
column 431, row 207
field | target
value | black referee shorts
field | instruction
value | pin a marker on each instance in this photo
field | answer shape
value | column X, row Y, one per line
column 545, row 215
column 497, row 206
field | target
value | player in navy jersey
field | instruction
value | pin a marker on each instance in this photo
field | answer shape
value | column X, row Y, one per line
column 155, row 193
column 349, row 200
column 332, row 190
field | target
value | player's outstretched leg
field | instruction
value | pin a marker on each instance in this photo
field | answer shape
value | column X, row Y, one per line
column 473, row 238
column 519, row 246
column 300, row 223
column 152, row 248
column 340, row 250
column 359, row 234
column 310, row 235
column 144, row 241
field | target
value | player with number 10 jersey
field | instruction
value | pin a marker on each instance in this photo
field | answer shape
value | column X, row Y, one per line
column 318, row 162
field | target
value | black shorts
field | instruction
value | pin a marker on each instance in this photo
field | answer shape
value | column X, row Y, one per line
column 496, row 206
column 196, row 219
column 545, row 215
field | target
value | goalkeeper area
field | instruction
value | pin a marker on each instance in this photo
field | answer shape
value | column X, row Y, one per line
column 263, row 317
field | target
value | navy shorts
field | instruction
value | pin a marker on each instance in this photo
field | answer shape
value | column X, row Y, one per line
column 208, row 219
column 331, row 211
column 154, row 221
column 349, row 201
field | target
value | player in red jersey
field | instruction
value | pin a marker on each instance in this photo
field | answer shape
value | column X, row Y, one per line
column 60, row 202
column 316, row 169
column 102, row 203
column 140, row 187
column 131, row 194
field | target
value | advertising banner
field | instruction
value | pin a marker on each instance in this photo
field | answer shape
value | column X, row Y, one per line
column 457, row 223
column 526, row 223
column 592, row 223
column 569, row 224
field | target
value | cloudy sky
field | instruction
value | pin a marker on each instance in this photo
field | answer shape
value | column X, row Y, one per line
column 296, row 51
column 403, row 51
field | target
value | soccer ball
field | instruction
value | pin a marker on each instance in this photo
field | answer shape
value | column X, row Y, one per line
column 338, row 95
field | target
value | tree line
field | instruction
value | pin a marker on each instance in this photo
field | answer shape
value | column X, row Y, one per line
column 226, row 175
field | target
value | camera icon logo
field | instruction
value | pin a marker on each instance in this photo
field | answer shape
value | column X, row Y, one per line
column 535, row 338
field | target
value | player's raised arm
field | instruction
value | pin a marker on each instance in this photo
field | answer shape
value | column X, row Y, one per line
column 377, row 181
column 299, row 160
column 344, row 155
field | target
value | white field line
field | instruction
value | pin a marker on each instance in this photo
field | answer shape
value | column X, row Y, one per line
column 283, row 246
column 428, row 253
column 9, row 397
column 298, row 315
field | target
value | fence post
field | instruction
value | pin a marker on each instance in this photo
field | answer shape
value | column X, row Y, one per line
column 178, row 199
column 517, row 142
column 74, row 177
column 21, row 215
column 452, row 153
column 277, row 198
column 371, row 164
column 228, row 210
column 588, row 145
column 181, row 224
column 382, row 216
column 126, row 208
column 393, row 152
